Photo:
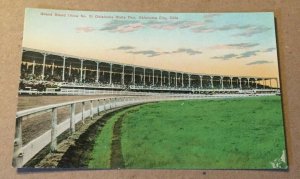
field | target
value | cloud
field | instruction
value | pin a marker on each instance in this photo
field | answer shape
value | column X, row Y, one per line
column 124, row 26
column 85, row 29
column 201, row 26
column 153, row 53
column 243, row 45
column 245, row 54
column 203, row 29
column 115, row 24
column 259, row 62
column 129, row 27
column 252, row 31
column 234, row 46
column 248, row 54
column 149, row 53
column 221, row 28
column 269, row 50
column 233, row 27
column 226, row 57
column 171, row 25
column 124, row 48
column 245, row 30
column 189, row 51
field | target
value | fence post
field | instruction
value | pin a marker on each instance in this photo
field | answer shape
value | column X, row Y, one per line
column 116, row 101
column 91, row 109
column 72, row 118
column 110, row 101
column 98, row 110
column 18, row 153
column 124, row 100
column 104, row 105
column 82, row 112
column 53, row 130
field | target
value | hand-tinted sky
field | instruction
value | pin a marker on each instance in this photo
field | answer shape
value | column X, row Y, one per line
column 216, row 43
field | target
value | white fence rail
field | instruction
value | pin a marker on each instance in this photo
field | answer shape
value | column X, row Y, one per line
column 23, row 154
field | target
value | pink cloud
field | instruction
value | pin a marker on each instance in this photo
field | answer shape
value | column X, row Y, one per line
column 85, row 29
column 129, row 28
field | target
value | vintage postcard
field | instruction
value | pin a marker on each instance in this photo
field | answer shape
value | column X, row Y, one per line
column 111, row 90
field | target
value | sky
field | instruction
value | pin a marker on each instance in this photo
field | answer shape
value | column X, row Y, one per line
column 241, row 44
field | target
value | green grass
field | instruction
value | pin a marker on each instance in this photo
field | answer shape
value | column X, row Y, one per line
column 244, row 133
column 102, row 148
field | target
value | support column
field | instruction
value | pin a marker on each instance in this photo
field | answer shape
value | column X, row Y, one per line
column 134, row 76
column 255, row 83
column 264, row 83
column 33, row 66
column 169, row 80
column 240, row 79
column 44, row 64
column 248, row 82
column 84, row 74
column 153, row 77
column 201, row 85
column 81, row 68
column 231, row 86
column 176, row 80
column 52, row 72
column 131, row 77
column 211, row 81
column 97, row 73
column 123, row 75
column 182, row 80
column 70, row 67
column 110, row 74
column 222, row 83
column 144, row 77
column 161, row 80
column 189, row 80
column 277, row 86
column 64, row 66
column 270, row 82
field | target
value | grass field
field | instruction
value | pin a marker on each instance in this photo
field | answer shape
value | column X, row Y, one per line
column 244, row 133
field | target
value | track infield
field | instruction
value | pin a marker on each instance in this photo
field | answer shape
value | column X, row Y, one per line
column 241, row 133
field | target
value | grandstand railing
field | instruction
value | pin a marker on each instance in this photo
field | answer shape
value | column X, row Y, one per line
column 66, row 91
column 23, row 154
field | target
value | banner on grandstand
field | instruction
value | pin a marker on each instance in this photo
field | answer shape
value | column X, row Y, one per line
column 149, row 90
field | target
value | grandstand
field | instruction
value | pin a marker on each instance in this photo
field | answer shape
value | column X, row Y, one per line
column 43, row 71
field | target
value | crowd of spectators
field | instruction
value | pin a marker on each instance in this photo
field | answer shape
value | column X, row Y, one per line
column 32, row 79
column 31, row 85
